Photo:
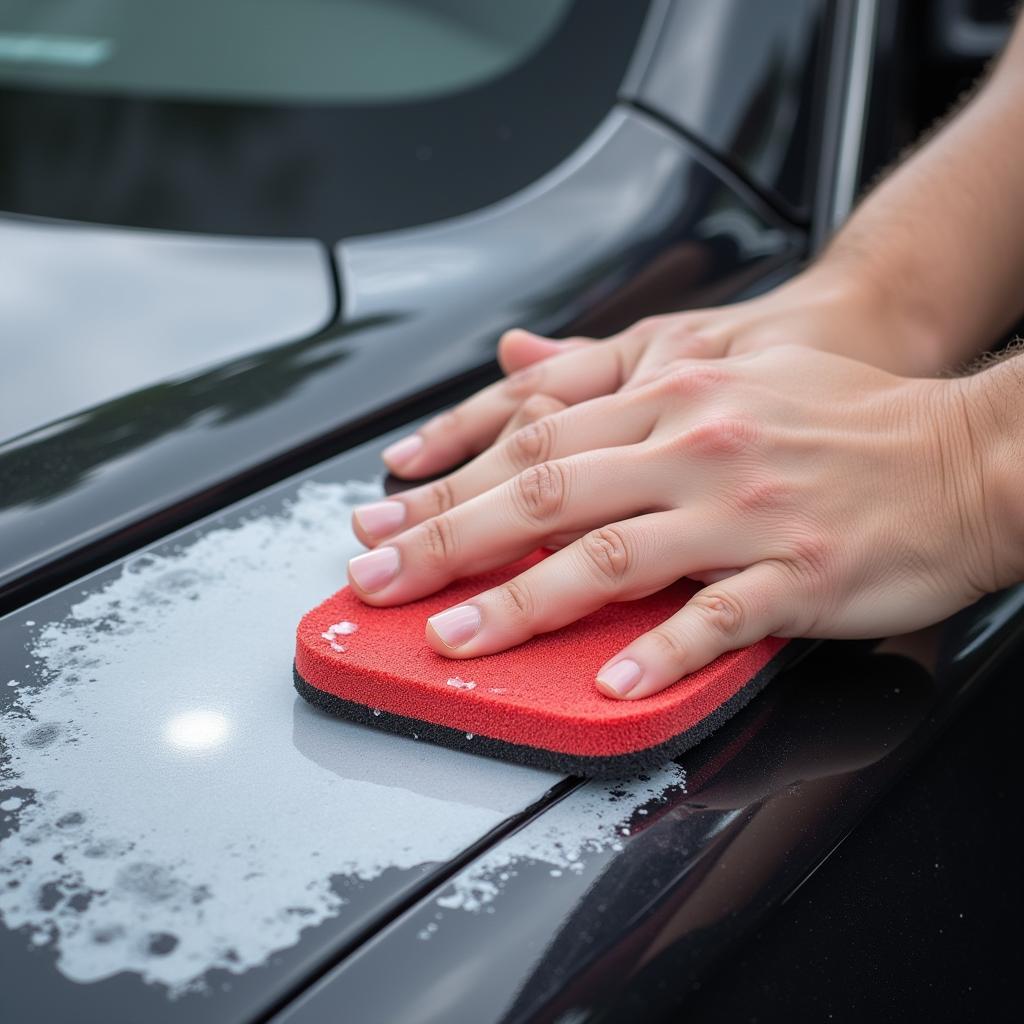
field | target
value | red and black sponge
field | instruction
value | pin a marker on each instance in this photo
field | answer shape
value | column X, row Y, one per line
column 536, row 704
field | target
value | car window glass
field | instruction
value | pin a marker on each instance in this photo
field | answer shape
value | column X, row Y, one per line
column 295, row 50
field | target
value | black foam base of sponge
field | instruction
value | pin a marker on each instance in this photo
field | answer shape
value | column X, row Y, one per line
column 618, row 766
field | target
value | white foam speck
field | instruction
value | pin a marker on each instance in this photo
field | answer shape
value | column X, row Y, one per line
column 498, row 689
column 12, row 682
column 181, row 791
column 340, row 648
column 586, row 822
column 461, row 684
column 469, row 735
column 344, row 628
column 10, row 804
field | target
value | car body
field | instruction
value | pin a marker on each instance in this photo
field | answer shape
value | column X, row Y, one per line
column 227, row 293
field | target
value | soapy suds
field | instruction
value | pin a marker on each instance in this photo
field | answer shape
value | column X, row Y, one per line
column 588, row 821
column 461, row 684
column 173, row 807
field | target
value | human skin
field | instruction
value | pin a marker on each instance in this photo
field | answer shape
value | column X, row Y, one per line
column 812, row 494
column 816, row 496
column 925, row 275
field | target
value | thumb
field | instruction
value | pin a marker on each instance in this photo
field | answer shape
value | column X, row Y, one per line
column 518, row 348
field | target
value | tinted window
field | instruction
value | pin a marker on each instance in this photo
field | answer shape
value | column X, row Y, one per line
column 297, row 118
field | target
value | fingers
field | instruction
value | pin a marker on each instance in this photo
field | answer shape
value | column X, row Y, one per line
column 686, row 341
column 518, row 348
column 505, row 523
column 605, row 422
column 725, row 616
column 536, row 407
column 620, row 562
column 614, row 563
column 571, row 376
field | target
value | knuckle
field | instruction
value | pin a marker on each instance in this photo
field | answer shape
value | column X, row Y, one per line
column 608, row 554
column 536, row 406
column 516, row 602
column 648, row 325
column 531, row 444
column 720, row 611
column 437, row 542
column 691, row 381
column 523, row 383
column 722, row 437
column 670, row 645
column 540, row 491
column 440, row 497
column 810, row 554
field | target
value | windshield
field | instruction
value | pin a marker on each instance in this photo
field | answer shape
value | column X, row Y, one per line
column 306, row 51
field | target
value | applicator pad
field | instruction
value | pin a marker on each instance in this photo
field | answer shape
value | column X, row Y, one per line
column 536, row 704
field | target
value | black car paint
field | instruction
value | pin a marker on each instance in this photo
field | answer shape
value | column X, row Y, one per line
column 752, row 94
column 83, row 489
column 768, row 799
column 30, row 985
column 754, row 769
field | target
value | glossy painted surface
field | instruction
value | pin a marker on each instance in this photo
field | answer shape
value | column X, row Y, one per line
column 542, row 927
column 93, row 313
column 634, row 201
column 742, row 78
column 181, row 836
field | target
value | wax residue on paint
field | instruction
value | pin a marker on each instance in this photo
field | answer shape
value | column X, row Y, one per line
column 590, row 820
column 168, row 805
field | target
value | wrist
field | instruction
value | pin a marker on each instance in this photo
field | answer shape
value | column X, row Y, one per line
column 994, row 405
column 873, row 323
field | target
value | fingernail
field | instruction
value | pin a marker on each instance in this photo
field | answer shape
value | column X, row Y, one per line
column 402, row 451
column 380, row 518
column 621, row 677
column 375, row 569
column 456, row 626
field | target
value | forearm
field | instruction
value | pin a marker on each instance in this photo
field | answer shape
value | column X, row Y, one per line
column 939, row 245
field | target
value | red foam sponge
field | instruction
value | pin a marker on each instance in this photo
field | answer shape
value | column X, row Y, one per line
column 537, row 703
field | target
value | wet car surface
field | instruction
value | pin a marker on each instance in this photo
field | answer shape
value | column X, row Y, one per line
column 181, row 836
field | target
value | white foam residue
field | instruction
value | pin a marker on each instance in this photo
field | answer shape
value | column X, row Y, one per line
column 590, row 820
column 175, row 808
column 461, row 684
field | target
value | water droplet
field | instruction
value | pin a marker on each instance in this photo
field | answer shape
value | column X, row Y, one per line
column 469, row 735
column 376, row 712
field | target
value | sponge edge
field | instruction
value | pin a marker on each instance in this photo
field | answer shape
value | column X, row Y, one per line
column 536, row 704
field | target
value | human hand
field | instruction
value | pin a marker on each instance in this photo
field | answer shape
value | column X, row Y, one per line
column 813, row 495
column 823, row 308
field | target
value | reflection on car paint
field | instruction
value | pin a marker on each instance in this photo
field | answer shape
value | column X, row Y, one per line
column 592, row 819
column 156, row 816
